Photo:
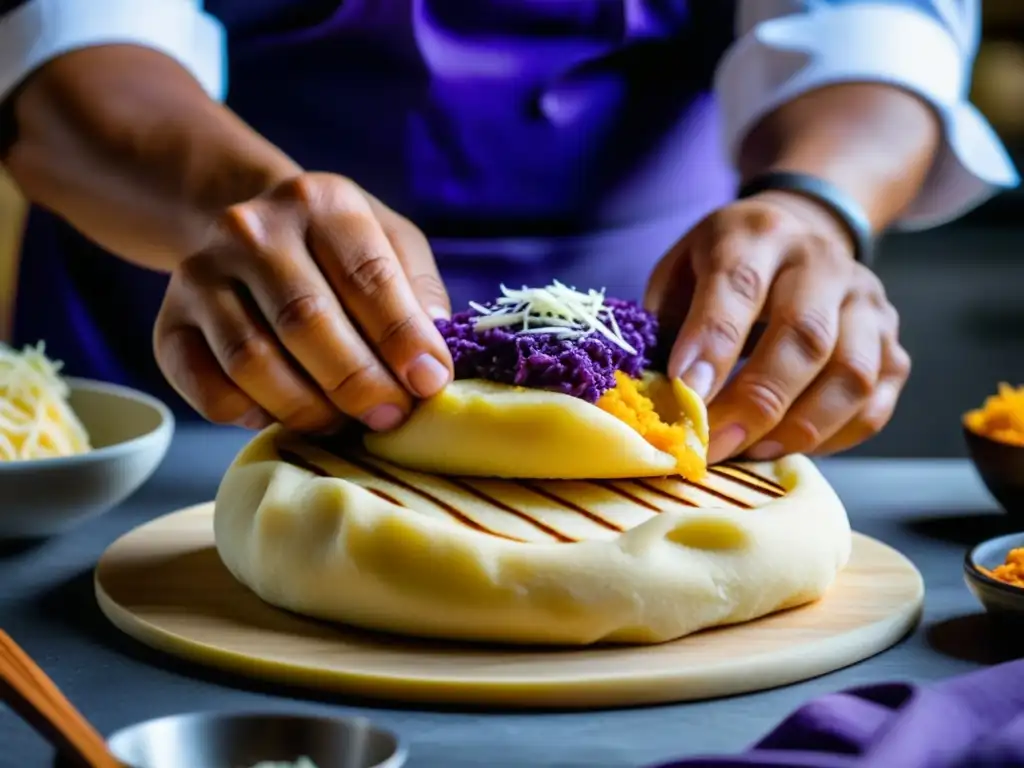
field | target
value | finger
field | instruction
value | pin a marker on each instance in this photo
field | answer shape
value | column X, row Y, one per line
column 732, row 281
column 353, row 252
column 838, row 394
column 669, row 294
column 801, row 334
column 880, row 407
column 662, row 286
column 417, row 260
column 302, row 311
column 251, row 358
column 185, row 360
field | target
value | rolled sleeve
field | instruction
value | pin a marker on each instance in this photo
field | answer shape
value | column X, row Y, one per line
column 37, row 31
column 924, row 47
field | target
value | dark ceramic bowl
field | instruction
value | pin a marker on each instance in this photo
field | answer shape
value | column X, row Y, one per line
column 1001, row 467
column 1002, row 600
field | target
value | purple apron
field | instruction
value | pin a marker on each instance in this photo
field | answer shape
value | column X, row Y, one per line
column 574, row 140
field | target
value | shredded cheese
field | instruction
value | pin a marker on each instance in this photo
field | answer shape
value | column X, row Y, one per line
column 556, row 309
column 36, row 420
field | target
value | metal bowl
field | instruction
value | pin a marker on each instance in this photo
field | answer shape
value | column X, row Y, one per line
column 218, row 740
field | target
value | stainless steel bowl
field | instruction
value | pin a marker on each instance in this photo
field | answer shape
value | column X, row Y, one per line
column 215, row 740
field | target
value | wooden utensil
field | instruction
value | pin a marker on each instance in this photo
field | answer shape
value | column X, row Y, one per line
column 36, row 698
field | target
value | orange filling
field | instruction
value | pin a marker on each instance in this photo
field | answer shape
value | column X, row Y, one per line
column 1011, row 572
column 628, row 403
column 1001, row 418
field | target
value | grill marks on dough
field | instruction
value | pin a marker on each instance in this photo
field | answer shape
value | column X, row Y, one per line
column 648, row 485
column 382, row 474
column 541, row 491
column 749, row 479
column 557, row 511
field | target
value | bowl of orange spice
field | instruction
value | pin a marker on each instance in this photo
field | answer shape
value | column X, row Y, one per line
column 994, row 571
column 995, row 441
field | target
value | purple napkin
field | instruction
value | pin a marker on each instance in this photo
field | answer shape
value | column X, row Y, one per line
column 973, row 721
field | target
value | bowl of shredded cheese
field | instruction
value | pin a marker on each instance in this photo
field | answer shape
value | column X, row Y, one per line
column 70, row 449
column 994, row 434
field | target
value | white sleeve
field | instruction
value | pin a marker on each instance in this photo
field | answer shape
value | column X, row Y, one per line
column 785, row 48
column 40, row 30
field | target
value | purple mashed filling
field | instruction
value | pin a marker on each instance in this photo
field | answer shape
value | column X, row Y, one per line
column 584, row 368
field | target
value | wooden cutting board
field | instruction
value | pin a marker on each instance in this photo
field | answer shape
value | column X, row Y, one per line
column 164, row 585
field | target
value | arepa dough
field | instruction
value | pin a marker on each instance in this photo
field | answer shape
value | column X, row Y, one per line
column 384, row 548
column 481, row 428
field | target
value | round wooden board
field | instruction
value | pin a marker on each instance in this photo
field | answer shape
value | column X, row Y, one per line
column 164, row 585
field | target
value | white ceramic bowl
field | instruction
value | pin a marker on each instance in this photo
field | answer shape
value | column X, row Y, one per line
column 129, row 432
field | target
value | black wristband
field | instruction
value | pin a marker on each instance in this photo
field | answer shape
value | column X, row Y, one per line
column 845, row 208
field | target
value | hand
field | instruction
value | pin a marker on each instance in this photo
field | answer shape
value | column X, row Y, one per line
column 828, row 369
column 310, row 304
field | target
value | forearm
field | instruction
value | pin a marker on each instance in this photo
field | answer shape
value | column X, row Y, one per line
column 126, row 146
column 868, row 134
column 875, row 142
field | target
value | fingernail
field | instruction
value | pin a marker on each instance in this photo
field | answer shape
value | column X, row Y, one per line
column 700, row 378
column 882, row 403
column 383, row 417
column 682, row 364
column 765, row 451
column 427, row 376
column 256, row 419
column 439, row 313
column 724, row 442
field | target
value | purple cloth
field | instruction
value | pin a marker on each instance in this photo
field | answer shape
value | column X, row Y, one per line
column 530, row 140
column 972, row 721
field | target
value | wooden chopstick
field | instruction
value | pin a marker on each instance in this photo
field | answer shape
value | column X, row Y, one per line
column 34, row 696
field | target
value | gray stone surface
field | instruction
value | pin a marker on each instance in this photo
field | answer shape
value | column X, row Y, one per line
column 930, row 510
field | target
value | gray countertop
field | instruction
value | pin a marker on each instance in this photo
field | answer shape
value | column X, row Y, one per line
column 930, row 510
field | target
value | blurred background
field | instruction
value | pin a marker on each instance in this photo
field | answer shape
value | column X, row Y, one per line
column 959, row 289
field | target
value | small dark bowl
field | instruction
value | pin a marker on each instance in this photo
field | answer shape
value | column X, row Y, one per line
column 1000, row 599
column 1001, row 467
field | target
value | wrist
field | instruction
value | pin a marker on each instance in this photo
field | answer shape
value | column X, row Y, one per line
column 822, row 207
column 874, row 141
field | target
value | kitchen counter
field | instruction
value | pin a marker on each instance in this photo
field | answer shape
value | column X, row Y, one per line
column 930, row 509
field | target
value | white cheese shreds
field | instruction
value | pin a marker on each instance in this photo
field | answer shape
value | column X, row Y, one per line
column 555, row 309
column 302, row 762
column 36, row 420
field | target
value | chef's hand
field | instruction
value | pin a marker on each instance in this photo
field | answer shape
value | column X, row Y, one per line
column 310, row 304
column 828, row 369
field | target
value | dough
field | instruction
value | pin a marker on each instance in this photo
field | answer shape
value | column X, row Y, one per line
column 497, row 430
column 349, row 538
